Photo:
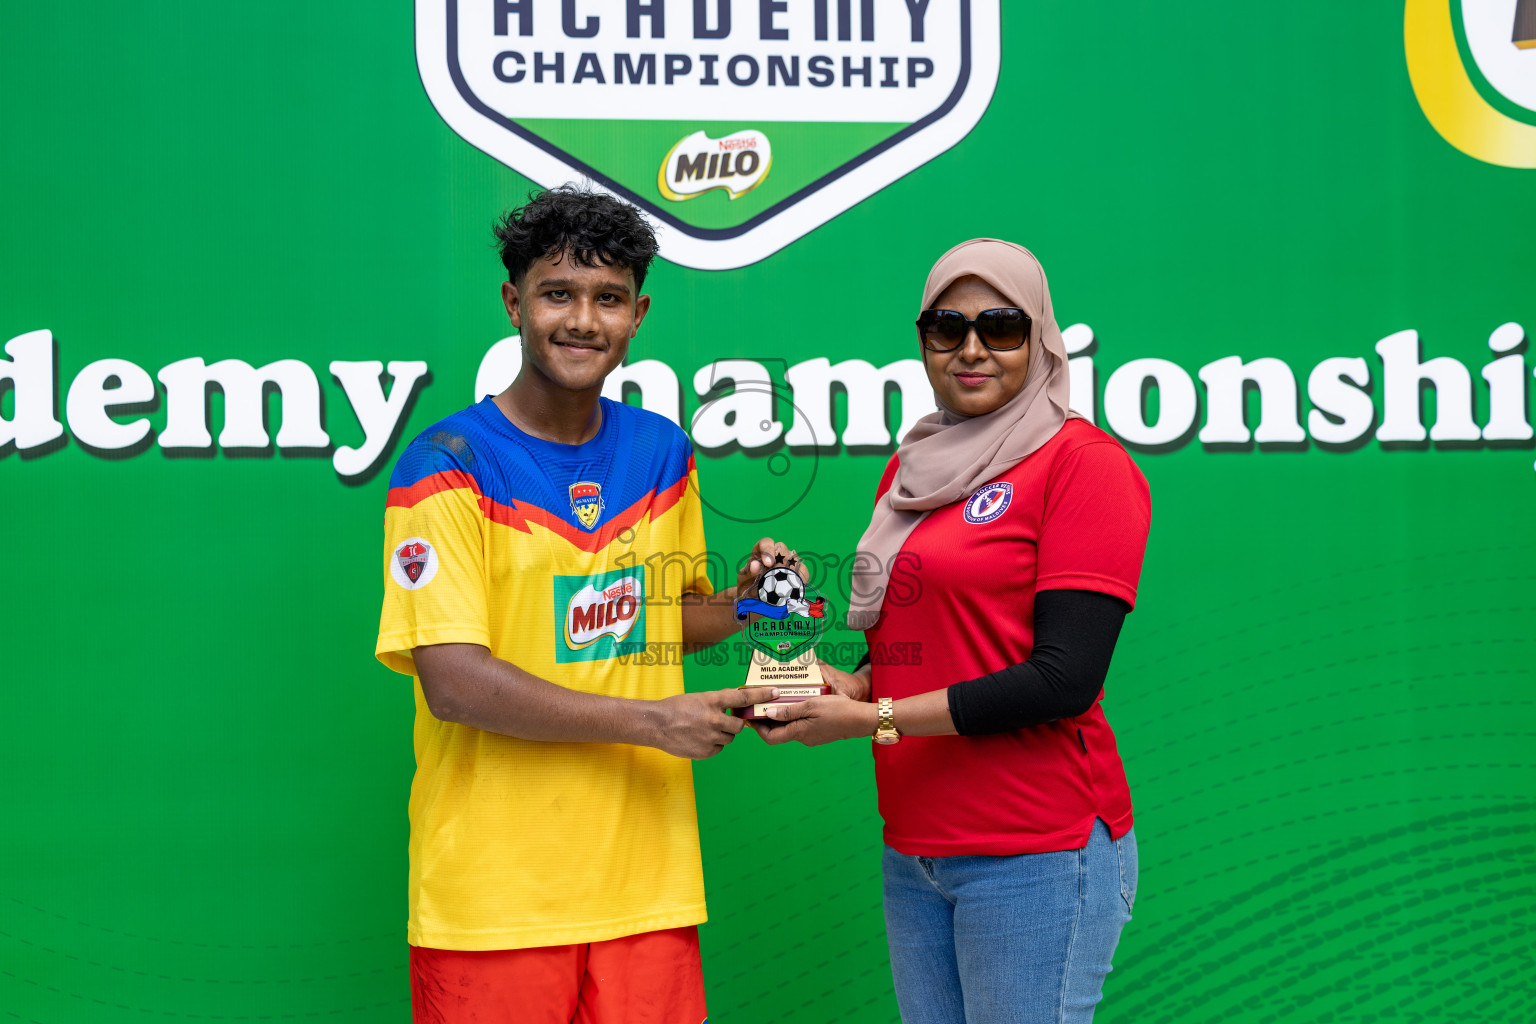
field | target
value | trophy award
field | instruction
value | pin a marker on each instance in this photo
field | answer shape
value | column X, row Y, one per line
column 783, row 619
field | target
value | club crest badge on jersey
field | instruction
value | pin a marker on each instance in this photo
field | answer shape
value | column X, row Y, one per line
column 414, row 564
column 587, row 502
column 989, row 502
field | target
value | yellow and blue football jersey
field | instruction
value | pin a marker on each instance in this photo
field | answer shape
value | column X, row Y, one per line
column 569, row 562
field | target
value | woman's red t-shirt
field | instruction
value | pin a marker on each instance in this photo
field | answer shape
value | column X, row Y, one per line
column 1072, row 516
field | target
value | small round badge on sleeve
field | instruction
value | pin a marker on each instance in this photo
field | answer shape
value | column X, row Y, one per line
column 413, row 564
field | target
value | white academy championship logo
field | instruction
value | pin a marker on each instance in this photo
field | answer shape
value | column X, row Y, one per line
column 738, row 126
column 413, row 563
column 989, row 502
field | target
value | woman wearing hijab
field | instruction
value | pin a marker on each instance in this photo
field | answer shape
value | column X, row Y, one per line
column 1006, row 540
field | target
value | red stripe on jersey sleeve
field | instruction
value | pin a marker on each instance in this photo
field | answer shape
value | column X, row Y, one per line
column 447, row 480
column 667, row 498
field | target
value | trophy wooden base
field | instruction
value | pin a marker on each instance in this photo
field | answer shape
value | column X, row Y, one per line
column 796, row 680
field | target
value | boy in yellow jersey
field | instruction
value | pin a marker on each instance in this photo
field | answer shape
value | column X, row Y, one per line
column 533, row 542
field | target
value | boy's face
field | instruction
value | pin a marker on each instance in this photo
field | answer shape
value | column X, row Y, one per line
column 576, row 321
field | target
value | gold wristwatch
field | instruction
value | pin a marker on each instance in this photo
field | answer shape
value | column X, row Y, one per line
column 885, row 729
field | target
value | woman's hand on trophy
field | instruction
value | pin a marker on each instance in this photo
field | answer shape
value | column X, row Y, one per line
column 766, row 554
column 853, row 685
column 819, row 720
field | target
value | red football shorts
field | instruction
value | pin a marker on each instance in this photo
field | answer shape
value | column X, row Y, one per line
column 650, row 978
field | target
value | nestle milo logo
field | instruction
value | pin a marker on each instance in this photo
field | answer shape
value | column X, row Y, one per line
column 599, row 616
column 661, row 101
column 595, row 613
column 737, row 163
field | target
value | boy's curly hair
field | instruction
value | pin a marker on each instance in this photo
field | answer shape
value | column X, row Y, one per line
column 591, row 227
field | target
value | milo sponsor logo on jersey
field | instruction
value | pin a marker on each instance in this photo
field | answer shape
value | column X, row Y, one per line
column 600, row 616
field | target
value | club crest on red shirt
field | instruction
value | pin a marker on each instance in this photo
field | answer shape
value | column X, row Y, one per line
column 988, row 502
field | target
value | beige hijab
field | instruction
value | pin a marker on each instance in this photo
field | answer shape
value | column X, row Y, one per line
column 946, row 456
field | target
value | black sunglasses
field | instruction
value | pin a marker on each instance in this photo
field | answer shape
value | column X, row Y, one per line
column 944, row 330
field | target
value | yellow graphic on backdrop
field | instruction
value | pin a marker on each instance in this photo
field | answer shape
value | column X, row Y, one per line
column 1448, row 97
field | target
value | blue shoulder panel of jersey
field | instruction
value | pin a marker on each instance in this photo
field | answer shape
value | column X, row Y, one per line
column 655, row 455
column 448, row 445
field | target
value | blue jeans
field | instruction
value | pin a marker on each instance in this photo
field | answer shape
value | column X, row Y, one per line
column 1007, row 940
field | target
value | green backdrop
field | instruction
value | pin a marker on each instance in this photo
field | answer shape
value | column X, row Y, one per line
column 1324, row 697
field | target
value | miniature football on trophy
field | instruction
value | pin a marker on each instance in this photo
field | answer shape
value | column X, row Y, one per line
column 783, row 619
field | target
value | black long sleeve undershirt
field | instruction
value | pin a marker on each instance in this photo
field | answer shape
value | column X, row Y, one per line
column 1075, row 634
